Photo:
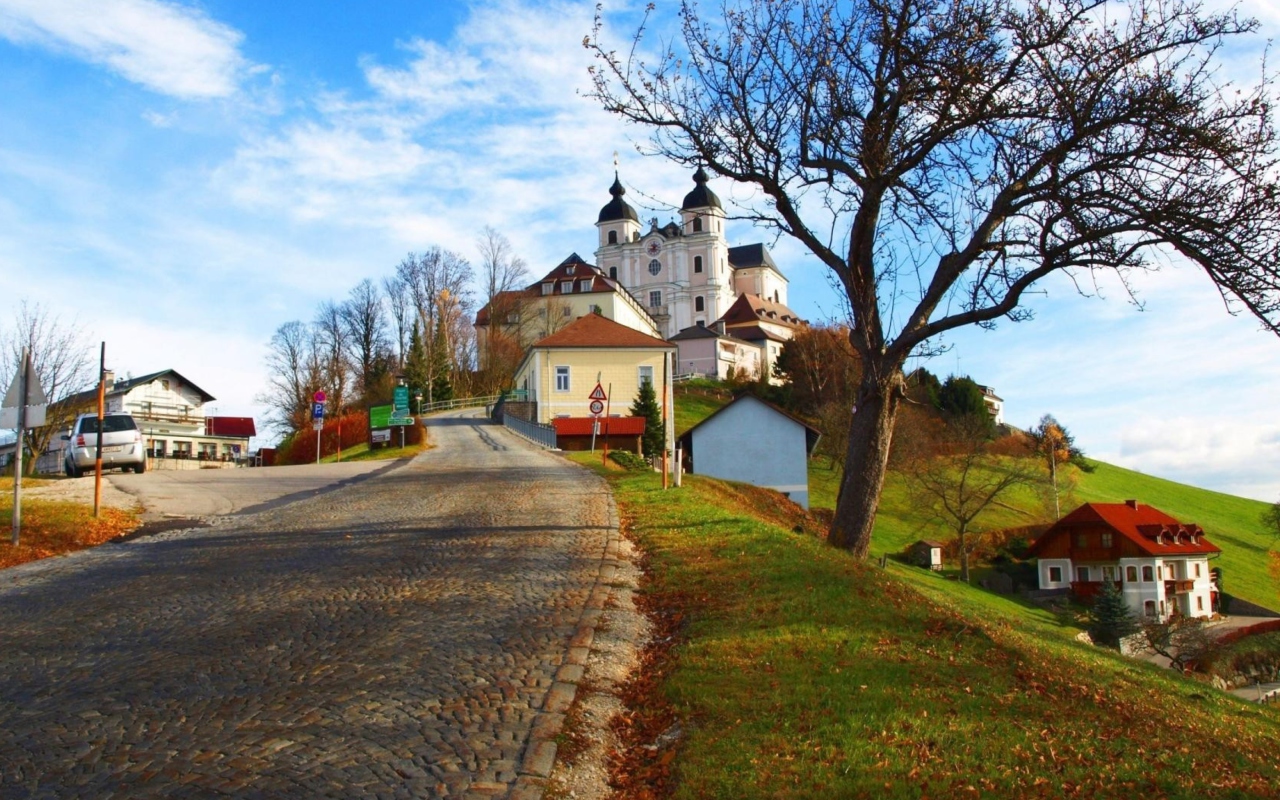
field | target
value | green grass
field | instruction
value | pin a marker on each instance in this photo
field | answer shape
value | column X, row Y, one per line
column 361, row 452
column 805, row 674
column 1230, row 522
column 694, row 408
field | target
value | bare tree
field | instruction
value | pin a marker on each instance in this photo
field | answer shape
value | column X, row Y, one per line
column 501, row 270
column 295, row 364
column 941, row 158
column 401, row 306
column 332, row 344
column 958, row 488
column 438, row 279
column 365, row 323
column 63, row 361
column 1182, row 640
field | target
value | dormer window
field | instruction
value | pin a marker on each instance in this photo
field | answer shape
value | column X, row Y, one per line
column 566, row 287
column 584, row 285
column 548, row 288
column 569, row 269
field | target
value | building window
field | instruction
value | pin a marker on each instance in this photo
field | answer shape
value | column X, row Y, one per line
column 164, row 384
column 1055, row 574
column 613, row 237
column 1148, row 575
column 548, row 288
column 1082, row 540
column 1168, row 572
column 697, row 224
column 569, row 269
column 1082, row 574
column 596, row 309
column 646, row 376
column 1197, row 569
column 613, row 273
column 1106, row 540
column 700, row 324
column 655, row 299
column 1109, row 574
column 584, row 285
column 513, row 318
column 566, row 287
column 566, row 311
column 697, row 263
column 562, row 379
column 655, row 266
column 1149, row 608
column 1199, row 603
column 699, row 304
column 1131, row 574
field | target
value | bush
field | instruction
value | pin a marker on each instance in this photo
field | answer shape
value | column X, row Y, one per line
column 628, row 460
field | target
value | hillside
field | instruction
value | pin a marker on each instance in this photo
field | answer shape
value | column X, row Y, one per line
column 799, row 673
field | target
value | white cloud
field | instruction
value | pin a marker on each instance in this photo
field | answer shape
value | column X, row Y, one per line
column 166, row 47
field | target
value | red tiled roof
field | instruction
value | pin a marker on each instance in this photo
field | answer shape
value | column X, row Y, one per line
column 754, row 308
column 230, row 426
column 594, row 330
column 1153, row 531
column 616, row 426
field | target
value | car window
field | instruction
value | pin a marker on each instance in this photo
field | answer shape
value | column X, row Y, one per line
column 111, row 424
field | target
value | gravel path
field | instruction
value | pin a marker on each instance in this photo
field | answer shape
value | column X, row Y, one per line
column 416, row 635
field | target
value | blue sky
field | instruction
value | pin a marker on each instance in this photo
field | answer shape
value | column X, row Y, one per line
column 182, row 178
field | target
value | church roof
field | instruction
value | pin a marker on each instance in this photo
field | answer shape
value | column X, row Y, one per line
column 750, row 255
column 701, row 196
column 752, row 308
column 594, row 330
column 617, row 208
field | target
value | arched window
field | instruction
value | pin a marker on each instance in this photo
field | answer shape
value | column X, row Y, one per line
column 699, row 304
column 613, row 273
column 697, row 224
column 697, row 263
column 1131, row 574
column 1149, row 608
column 1147, row 575
column 613, row 237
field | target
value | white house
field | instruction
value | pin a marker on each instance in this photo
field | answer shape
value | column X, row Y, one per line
column 1160, row 565
column 751, row 441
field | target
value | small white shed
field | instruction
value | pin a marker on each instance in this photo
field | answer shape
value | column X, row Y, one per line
column 925, row 553
column 754, row 442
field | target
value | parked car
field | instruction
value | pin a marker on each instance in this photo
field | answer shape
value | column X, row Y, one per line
column 122, row 444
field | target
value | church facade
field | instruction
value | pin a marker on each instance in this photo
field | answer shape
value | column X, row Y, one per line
column 684, row 274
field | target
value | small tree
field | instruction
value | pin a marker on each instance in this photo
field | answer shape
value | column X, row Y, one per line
column 1111, row 619
column 1055, row 444
column 1271, row 520
column 655, row 432
column 1182, row 640
column 957, row 489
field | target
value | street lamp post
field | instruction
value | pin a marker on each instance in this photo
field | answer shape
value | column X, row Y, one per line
column 418, row 397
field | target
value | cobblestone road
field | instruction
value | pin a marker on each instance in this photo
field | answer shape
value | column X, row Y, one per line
column 398, row 638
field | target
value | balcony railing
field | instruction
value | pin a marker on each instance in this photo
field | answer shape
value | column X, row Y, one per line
column 1087, row 590
column 1178, row 587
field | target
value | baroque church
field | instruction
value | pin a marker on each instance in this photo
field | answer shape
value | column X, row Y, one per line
column 725, row 308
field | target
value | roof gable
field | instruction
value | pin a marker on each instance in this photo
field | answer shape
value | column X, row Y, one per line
column 753, row 309
column 812, row 434
column 1151, row 530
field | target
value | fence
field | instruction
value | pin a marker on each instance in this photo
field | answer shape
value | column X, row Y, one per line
column 463, row 402
column 544, row 435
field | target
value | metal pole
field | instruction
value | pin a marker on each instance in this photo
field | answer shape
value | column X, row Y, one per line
column 608, row 406
column 666, row 359
column 22, row 425
column 319, row 433
column 102, row 400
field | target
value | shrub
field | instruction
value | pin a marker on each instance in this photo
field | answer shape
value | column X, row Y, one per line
column 628, row 460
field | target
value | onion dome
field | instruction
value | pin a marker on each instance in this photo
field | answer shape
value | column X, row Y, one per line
column 617, row 208
column 701, row 196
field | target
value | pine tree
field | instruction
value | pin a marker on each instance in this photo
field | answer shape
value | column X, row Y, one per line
column 1110, row 619
column 415, row 364
column 441, row 386
column 655, row 432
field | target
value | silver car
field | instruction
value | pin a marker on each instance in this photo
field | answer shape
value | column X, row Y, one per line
column 121, row 444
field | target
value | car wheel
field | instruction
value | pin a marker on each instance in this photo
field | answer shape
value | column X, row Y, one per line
column 72, row 470
column 140, row 468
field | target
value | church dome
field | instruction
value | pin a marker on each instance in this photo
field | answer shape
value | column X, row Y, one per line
column 617, row 208
column 701, row 196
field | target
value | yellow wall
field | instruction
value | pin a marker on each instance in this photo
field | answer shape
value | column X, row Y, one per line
column 618, row 367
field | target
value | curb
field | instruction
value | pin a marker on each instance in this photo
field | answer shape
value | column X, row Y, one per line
column 540, row 754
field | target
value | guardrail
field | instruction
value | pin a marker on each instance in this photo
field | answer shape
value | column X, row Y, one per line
column 544, row 435
column 464, row 402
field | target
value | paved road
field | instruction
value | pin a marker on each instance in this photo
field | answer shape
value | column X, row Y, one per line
column 395, row 638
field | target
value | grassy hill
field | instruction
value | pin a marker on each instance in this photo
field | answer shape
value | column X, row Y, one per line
column 797, row 672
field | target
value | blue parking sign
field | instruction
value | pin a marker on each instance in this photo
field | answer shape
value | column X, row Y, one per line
column 317, row 410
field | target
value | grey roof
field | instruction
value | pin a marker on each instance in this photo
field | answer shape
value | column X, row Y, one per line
column 617, row 208
column 694, row 332
column 701, row 196
column 750, row 255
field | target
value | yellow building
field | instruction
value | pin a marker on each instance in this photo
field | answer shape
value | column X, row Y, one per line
column 560, row 371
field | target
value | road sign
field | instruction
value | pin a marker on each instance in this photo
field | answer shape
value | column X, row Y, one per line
column 598, row 394
column 35, row 400
column 317, row 425
column 317, row 410
column 400, row 406
column 319, row 396
column 597, row 407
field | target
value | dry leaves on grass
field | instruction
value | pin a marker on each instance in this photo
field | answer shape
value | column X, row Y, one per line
column 51, row 528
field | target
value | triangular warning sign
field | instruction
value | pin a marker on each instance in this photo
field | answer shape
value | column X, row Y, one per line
column 597, row 393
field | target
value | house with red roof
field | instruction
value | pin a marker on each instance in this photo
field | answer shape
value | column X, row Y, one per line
column 559, row 373
column 1159, row 564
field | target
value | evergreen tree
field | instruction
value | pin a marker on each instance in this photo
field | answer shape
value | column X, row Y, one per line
column 1110, row 619
column 441, row 386
column 655, row 432
column 415, row 363
column 961, row 398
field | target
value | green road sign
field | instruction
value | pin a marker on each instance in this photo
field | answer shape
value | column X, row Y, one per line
column 400, row 407
column 379, row 417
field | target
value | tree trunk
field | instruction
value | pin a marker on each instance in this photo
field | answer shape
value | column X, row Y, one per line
column 964, row 557
column 866, row 460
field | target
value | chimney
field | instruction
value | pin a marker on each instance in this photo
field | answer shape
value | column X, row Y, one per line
column 718, row 325
column 1132, row 504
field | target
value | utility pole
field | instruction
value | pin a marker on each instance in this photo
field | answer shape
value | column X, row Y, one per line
column 102, row 401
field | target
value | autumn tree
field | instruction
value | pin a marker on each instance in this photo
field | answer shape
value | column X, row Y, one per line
column 502, row 271
column 822, row 372
column 438, row 282
column 1055, row 445
column 63, row 362
column 942, row 158
column 959, row 487
column 1182, row 640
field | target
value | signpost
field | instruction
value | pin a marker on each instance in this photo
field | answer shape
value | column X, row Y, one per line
column 383, row 418
column 596, row 406
column 23, row 408
column 317, row 418
column 400, row 409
